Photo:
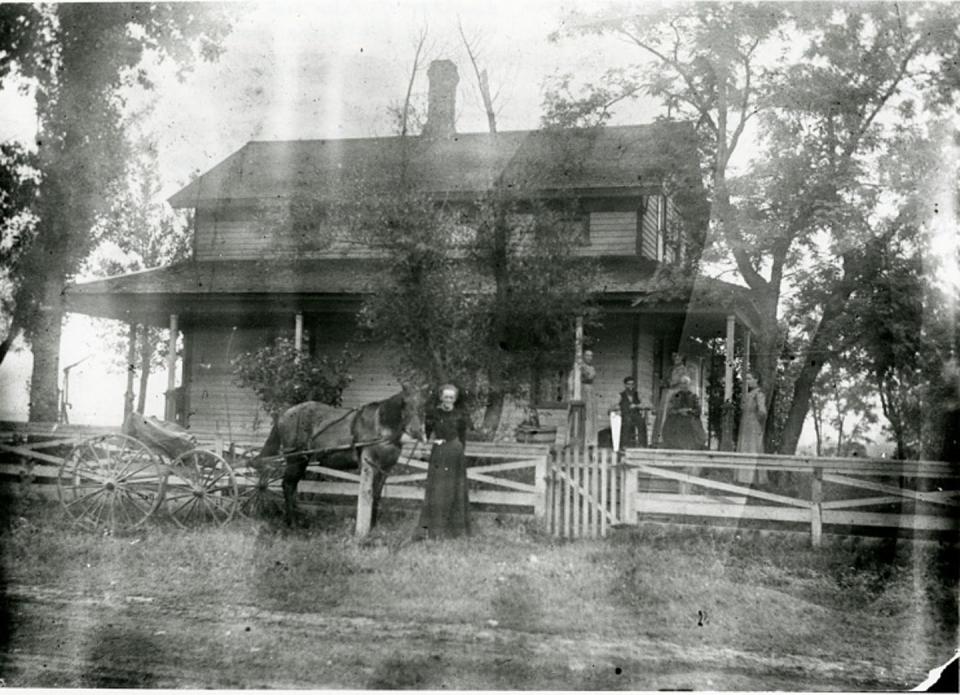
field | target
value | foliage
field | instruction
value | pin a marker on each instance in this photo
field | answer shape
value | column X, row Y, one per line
column 842, row 400
column 78, row 59
column 831, row 101
column 282, row 377
column 466, row 299
column 137, row 232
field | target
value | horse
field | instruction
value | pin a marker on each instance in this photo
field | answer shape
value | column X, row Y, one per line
column 343, row 438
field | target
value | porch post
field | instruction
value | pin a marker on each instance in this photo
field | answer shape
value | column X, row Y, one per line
column 577, row 407
column 131, row 357
column 578, row 360
column 726, row 435
column 298, row 332
column 746, row 353
column 170, row 407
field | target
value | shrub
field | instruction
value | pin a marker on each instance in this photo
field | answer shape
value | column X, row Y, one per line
column 281, row 376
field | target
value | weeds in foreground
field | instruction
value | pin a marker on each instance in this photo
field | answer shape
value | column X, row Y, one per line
column 891, row 601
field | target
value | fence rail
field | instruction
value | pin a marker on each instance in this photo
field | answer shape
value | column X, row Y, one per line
column 577, row 494
column 507, row 475
column 819, row 492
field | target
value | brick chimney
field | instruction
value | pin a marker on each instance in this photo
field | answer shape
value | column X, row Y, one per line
column 442, row 103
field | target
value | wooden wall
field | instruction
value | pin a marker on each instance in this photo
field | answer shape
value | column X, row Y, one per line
column 649, row 232
column 372, row 376
column 612, row 234
column 613, row 355
column 239, row 235
column 216, row 403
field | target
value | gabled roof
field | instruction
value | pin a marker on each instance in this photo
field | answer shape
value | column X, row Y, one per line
column 605, row 159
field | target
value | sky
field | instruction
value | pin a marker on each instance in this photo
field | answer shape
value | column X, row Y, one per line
column 331, row 69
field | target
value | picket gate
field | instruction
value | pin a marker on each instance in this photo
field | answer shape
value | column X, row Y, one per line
column 586, row 493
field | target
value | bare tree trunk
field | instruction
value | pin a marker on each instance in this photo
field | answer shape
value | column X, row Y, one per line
column 812, row 365
column 131, row 368
column 45, row 345
column 482, row 83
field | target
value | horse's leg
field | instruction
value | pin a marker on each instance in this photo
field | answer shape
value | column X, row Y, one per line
column 293, row 473
column 384, row 458
column 378, row 480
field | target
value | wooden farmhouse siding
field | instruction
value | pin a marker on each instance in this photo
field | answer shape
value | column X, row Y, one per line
column 216, row 404
column 650, row 229
column 614, row 356
column 240, row 234
column 612, row 234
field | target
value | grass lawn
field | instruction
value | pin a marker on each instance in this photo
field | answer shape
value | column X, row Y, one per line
column 648, row 607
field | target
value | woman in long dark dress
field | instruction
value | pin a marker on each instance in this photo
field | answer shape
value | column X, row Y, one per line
column 445, row 512
column 682, row 428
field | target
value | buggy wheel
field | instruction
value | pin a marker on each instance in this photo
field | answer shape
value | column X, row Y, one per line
column 202, row 489
column 113, row 480
column 261, row 487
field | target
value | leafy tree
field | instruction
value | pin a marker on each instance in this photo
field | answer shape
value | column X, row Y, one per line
column 480, row 292
column 282, row 376
column 79, row 58
column 810, row 199
column 840, row 398
column 137, row 232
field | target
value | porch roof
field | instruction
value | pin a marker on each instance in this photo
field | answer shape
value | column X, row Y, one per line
column 261, row 287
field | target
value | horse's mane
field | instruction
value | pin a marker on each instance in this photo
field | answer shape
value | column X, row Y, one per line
column 391, row 412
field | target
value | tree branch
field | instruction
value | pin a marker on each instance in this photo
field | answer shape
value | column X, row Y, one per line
column 482, row 82
column 421, row 39
column 885, row 97
column 699, row 100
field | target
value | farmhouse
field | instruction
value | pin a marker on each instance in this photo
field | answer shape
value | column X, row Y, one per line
column 255, row 273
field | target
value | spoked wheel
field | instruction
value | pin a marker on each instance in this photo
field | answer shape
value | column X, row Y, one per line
column 111, row 481
column 202, row 489
column 261, row 487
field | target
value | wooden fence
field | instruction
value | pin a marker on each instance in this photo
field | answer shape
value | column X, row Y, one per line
column 844, row 493
column 509, row 476
column 586, row 493
column 576, row 494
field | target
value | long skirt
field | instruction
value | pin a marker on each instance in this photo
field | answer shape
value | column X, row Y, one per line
column 683, row 432
column 445, row 512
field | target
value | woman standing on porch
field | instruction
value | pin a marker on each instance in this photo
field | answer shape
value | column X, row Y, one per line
column 752, row 420
column 445, row 512
column 682, row 428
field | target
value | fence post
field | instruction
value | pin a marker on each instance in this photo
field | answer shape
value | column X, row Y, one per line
column 604, row 481
column 630, row 486
column 816, row 512
column 540, row 495
column 365, row 500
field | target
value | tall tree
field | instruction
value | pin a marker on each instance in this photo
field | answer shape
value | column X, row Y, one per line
column 823, row 115
column 80, row 57
column 139, row 231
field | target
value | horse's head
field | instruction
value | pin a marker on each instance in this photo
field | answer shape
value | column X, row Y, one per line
column 414, row 400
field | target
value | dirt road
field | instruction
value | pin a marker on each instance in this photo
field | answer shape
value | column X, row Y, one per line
column 58, row 639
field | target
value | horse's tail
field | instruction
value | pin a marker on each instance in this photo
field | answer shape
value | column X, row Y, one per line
column 271, row 447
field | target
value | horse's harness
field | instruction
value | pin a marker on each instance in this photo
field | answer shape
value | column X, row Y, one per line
column 352, row 445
